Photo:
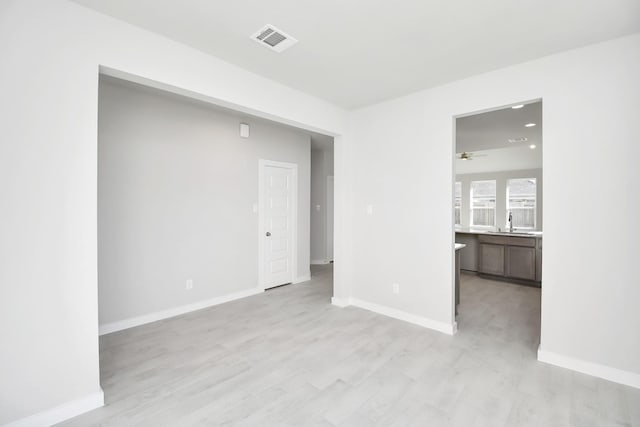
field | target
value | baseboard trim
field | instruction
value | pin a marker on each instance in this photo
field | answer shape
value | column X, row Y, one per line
column 62, row 412
column 608, row 373
column 304, row 278
column 445, row 328
column 341, row 302
column 319, row 262
column 120, row 325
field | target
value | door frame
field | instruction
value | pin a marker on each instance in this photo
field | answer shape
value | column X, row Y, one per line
column 293, row 211
column 454, row 142
column 330, row 180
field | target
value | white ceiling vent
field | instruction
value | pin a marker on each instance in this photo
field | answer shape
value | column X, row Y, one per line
column 274, row 39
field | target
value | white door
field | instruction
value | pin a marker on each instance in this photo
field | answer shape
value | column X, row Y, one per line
column 330, row 218
column 278, row 219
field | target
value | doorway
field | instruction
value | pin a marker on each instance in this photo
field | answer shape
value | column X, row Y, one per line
column 498, row 221
column 329, row 237
column 321, row 214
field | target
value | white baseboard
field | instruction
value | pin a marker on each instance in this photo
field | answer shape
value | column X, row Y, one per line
column 319, row 262
column 443, row 327
column 630, row 379
column 62, row 412
column 108, row 328
column 303, row 278
column 340, row 302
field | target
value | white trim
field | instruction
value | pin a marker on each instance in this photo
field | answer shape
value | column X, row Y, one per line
column 294, row 220
column 319, row 262
column 329, row 202
column 341, row 302
column 616, row 375
column 62, row 412
column 304, row 278
column 443, row 327
column 108, row 328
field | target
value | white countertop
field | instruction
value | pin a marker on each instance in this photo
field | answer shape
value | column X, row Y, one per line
column 520, row 233
column 459, row 246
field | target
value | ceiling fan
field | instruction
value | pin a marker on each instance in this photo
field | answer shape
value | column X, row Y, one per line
column 469, row 156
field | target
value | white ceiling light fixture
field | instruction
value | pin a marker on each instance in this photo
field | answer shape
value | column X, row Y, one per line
column 532, row 146
column 273, row 38
column 517, row 107
column 529, row 125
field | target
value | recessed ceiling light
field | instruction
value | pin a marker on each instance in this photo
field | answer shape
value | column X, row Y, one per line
column 516, row 107
column 529, row 125
column 532, row 146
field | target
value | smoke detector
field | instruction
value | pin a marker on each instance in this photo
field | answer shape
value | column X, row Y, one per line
column 273, row 38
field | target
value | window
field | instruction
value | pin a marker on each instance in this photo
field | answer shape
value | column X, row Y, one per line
column 521, row 202
column 483, row 203
column 458, row 201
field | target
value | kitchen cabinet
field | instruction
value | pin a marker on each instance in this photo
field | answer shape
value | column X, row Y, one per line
column 539, row 260
column 458, row 247
column 513, row 257
column 468, row 257
column 520, row 262
column 491, row 259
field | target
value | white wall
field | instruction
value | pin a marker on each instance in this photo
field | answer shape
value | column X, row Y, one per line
column 50, row 54
column 321, row 168
column 51, row 51
column 501, row 179
column 401, row 163
column 176, row 186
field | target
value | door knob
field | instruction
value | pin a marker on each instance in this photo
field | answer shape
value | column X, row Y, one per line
column 268, row 234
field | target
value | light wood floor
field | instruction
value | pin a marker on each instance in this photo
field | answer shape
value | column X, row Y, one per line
column 289, row 358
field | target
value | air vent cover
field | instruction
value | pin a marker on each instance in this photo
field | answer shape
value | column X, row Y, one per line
column 273, row 38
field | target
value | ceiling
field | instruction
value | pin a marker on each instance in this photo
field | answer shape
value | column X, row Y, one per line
column 357, row 52
column 487, row 135
column 493, row 129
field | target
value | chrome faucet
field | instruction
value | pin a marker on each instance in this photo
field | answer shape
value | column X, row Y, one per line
column 510, row 223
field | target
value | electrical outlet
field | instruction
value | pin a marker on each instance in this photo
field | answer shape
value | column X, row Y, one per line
column 189, row 285
column 396, row 288
column 318, row 208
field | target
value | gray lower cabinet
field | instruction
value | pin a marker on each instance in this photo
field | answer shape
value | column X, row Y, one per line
column 520, row 262
column 491, row 259
column 469, row 255
column 510, row 256
column 539, row 261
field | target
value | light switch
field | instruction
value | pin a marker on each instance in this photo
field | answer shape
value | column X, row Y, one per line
column 254, row 207
column 369, row 209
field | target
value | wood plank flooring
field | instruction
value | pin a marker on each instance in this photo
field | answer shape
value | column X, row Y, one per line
column 289, row 358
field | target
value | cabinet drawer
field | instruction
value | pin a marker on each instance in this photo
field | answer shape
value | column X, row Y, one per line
column 508, row 240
